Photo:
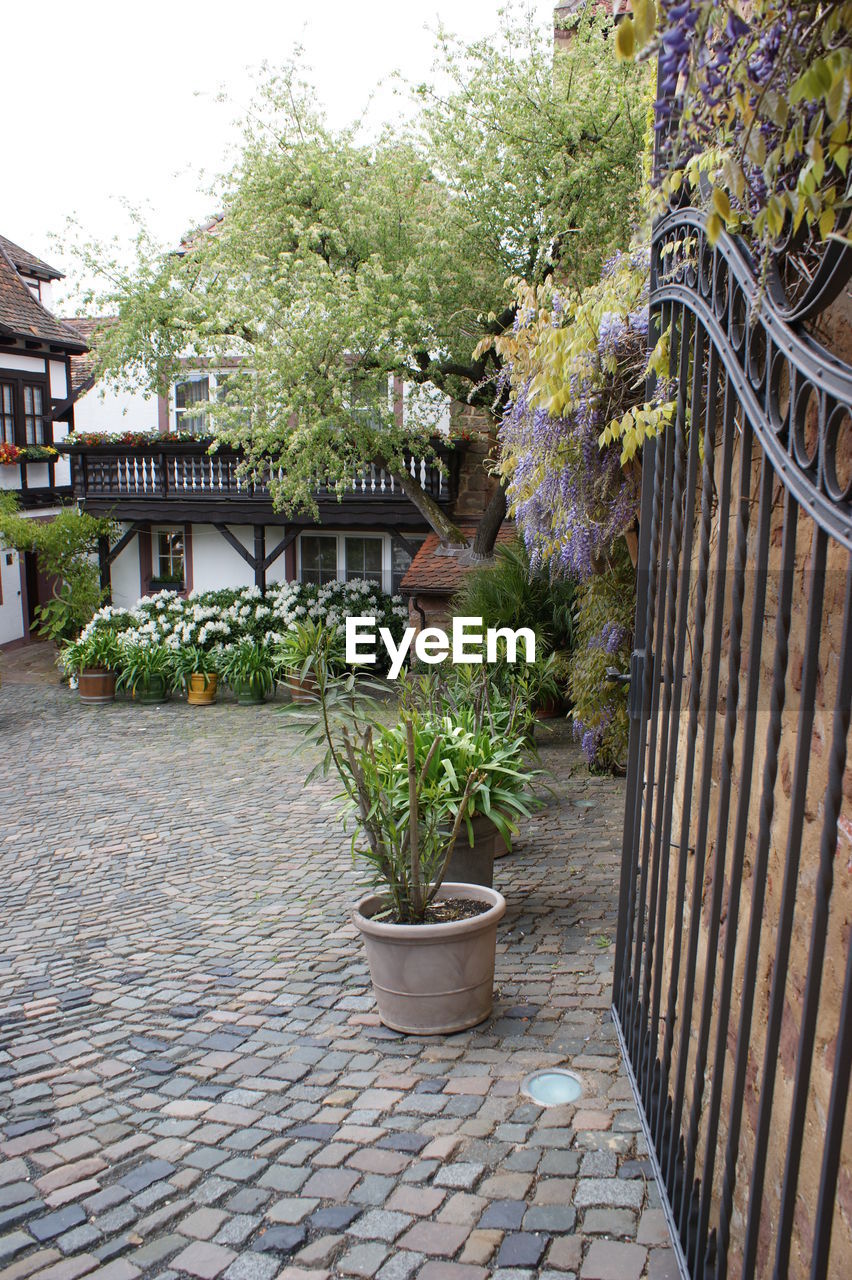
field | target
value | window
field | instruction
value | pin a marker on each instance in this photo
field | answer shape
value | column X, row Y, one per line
column 369, row 397
column 189, row 394
column 344, row 557
column 7, row 413
column 319, row 559
column 363, row 559
column 34, row 413
column 169, row 565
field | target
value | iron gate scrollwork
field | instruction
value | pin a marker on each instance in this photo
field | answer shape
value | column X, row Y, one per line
column 734, row 904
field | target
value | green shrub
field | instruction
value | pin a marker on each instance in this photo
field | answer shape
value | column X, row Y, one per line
column 507, row 594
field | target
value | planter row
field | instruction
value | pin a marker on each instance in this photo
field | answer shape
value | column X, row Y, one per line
column 98, row 686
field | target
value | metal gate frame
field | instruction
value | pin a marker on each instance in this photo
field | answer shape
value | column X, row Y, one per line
column 733, row 354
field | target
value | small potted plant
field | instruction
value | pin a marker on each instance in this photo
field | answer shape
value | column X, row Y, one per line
column 197, row 671
column 296, row 653
column 147, row 671
column 94, row 659
column 249, row 670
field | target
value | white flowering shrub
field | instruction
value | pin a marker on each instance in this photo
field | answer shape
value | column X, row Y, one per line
column 219, row 620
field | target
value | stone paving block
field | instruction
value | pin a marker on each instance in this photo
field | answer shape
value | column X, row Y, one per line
column 611, row 1260
column 332, row 1184
column 379, row 1224
column 280, row 1240
column 236, row 1229
column 120, row 1269
column 480, row 1246
column 565, row 1253
column 253, row 1266
column 144, row 1175
column 203, row 1223
column 503, row 1215
column 461, row 1174
column 618, row 1223
column 204, row 1259
column 436, row 1239
column 662, row 1265
column 69, row 1268
column 12, row 1244
column 292, row 1209
column 400, row 1266
column 420, row 1201
column 362, row 1260
column 451, row 1271
column 610, row 1193
column 54, row 1224
column 522, row 1249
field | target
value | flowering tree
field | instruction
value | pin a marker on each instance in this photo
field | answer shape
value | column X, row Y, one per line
column 341, row 261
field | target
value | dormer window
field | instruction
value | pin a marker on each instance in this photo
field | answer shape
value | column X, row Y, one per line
column 189, row 394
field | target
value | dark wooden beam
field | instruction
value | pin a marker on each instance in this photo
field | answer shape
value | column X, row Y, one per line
column 281, row 547
column 260, row 556
column 125, row 540
column 103, row 565
column 400, row 540
column 234, row 541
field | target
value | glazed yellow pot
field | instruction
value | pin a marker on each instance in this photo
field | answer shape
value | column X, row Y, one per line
column 202, row 690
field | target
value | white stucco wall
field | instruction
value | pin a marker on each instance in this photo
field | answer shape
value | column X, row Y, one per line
column 11, row 602
column 215, row 563
column 124, row 574
column 115, row 411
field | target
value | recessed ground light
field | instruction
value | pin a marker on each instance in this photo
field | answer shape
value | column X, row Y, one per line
column 552, row 1088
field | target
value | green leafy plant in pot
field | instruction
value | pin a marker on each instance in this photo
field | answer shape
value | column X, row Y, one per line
column 297, row 653
column 430, row 942
column 197, row 672
column 248, row 668
column 94, row 659
column 147, row 671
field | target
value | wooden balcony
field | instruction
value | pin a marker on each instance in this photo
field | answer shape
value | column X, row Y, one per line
column 182, row 481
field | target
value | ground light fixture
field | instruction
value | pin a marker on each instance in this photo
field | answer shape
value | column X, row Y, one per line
column 552, row 1088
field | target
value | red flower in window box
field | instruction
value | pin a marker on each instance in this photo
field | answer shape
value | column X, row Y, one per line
column 9, row 455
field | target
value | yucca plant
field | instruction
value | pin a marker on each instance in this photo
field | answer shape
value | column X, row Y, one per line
column 507, row 593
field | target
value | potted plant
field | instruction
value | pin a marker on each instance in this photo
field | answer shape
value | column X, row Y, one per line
column 296, row 653
column 94, row 658
column 430, row 942
column 248, row 668
column 147, row 670
column 196, row 669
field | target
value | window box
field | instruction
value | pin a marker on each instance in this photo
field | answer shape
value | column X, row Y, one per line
column 166, row 584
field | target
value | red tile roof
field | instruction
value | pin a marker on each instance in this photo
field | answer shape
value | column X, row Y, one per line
column 23, row 316
column 27, row 263
column 438, row 569
column 82, row 366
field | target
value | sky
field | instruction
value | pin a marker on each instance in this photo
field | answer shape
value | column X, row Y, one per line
column 121, row 103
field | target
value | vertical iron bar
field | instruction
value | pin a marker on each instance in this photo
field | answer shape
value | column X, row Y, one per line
column 658, row 900
column 807, row 702
column 732, row 695
column 669, row 1161
column 723, row 516
column 758, row 880
column 819, row 927
column 654, row 655
column 682, row 535
column 834, row 1131
column 758, row 604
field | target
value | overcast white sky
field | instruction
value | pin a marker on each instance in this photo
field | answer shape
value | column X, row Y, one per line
column 118, row 101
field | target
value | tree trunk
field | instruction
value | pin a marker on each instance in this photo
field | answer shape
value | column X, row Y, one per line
column 489, row 525
column 429, row 509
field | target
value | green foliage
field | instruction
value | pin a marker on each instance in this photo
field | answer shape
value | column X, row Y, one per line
column 66, row 549
column 604, row 632
column 508, row 594
column 97, row 649
column 248, row 666
column 300, row 645
column 194, row 660
column 342, row 258
column 139, row 662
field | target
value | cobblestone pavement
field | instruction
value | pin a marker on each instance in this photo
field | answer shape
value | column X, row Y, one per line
column 193, row 1082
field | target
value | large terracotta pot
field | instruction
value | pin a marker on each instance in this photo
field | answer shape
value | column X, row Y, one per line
column 202, row 690
column 96, row 684
column 433, row 979
column 474, row 864
column 301, row 690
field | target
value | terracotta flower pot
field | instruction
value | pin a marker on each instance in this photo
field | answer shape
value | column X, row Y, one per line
column 202, row 690
column 96, row 684
column 301, row 690
column 433, row 979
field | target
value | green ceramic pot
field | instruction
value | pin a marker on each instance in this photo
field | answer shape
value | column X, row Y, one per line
column 246, row 695
column 151, row 690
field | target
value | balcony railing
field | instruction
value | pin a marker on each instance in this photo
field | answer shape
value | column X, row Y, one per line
column 37, row 482
column 185, row 472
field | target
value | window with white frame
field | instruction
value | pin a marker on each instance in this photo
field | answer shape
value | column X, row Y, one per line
column 192, row 392
column 344, row 557
column 169, row 555
column 369, row 398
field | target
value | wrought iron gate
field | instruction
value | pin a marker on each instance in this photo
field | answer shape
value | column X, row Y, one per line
column 735, row 900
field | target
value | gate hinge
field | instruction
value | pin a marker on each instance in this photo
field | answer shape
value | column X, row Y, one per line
column 637, row 684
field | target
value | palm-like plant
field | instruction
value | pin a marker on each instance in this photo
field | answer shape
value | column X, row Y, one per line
column 508, row 594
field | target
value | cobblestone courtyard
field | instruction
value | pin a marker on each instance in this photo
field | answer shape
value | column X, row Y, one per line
column 193, row 1082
